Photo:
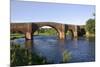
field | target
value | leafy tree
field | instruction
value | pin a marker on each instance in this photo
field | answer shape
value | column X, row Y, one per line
column 90, row 26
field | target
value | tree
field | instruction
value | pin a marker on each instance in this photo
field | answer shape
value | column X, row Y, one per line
column 90, row 26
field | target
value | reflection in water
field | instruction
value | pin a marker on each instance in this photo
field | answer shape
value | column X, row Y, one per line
column 29, row 44
column 59, row 51
column 66, row 56
column 75, row 44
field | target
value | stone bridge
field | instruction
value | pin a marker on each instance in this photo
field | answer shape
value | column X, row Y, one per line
column 29, row 28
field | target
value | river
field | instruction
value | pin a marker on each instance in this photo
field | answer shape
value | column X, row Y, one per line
column 58, row 51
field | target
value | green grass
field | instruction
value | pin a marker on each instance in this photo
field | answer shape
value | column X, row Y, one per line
column 46, row 32
column 16, row 35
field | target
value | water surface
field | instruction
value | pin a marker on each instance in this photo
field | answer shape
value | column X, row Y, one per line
column 58, row 51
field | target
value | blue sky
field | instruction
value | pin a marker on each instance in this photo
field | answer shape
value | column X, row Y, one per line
column 24, row 11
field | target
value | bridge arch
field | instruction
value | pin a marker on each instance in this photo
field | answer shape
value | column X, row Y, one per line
column 57, row 30
column 57, row 26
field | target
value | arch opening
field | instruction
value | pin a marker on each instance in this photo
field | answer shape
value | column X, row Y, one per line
column 47, row 30
column 81, row 32
column 69, row 34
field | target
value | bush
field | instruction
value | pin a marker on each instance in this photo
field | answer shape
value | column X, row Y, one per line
column 90, row 26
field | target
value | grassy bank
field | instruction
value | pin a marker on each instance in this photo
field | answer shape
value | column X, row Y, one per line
column 16, row 35
column 90, row 35
column 21, row 57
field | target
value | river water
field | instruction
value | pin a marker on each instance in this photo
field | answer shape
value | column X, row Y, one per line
column 58, row 51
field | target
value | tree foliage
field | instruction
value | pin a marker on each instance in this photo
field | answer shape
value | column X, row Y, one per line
column 90, row 26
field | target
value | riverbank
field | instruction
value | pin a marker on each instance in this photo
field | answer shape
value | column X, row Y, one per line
column 90, row 35
column 21, row 57
column 16, row 36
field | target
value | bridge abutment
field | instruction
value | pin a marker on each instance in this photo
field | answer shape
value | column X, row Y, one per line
column 62, row 32
column 61, row 35
column 28, row 36
column 75, row 32
column 28, row 33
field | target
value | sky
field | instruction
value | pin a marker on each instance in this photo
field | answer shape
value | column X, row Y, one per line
column 29, row 11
